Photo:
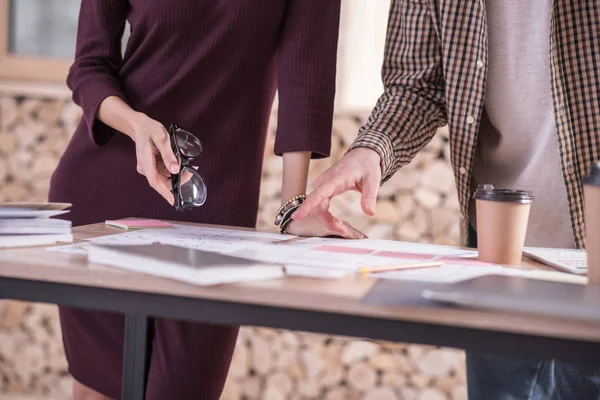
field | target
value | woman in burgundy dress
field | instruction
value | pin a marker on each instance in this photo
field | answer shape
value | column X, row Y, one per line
column 212, row 67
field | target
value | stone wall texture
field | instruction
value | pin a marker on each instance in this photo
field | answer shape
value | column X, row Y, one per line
column 418, row 204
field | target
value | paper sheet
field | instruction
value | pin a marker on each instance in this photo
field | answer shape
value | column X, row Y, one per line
column 447, row 273
column 350, row 255
column 387, row 245
column 77, row 248
column 555, row 276
column 28, row 213
column 304, row 271
column 316, row 257
column 209, row 239
column 138, row 224
column 181, row 235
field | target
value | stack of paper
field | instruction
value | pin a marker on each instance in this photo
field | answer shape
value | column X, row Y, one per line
column 29, row 224
column 311, row 257
column 322, row 257
column 184, row 264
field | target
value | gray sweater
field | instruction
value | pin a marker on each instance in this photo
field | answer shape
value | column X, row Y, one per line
column 518, row 145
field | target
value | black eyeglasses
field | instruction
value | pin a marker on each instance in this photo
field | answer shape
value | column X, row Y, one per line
column 189, row 189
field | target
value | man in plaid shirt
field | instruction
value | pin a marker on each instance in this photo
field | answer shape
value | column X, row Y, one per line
column 518, row 84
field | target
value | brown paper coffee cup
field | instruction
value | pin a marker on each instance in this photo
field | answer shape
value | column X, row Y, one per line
column 502, row 217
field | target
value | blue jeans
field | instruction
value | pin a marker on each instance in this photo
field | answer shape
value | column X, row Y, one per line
column 502, row 378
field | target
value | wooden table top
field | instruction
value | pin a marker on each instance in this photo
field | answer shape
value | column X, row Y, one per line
column 341, row 296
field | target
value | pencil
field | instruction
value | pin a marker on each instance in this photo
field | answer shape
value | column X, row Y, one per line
column 368, row 270
column 291, row 240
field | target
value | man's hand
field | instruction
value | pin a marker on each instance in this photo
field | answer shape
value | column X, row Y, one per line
column 358, row 170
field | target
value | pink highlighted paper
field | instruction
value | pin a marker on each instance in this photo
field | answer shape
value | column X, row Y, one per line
column 399, row 254
column 343, row 249
column 139, row 224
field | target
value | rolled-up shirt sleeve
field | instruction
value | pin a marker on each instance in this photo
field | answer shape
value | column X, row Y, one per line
column 412, row 107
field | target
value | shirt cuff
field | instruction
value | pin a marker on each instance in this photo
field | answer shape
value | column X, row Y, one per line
column 382, row 144
column 95, row 93
column 318, row 146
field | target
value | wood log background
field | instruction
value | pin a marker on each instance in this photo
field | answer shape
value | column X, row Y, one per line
column 418, row 204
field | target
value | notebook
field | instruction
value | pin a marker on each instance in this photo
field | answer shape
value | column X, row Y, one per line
column 13, row 212
column 128, row 224
column 35, row 206
column 34, row 226
column 184, row 264
column 33, row 240
column 25, row 224
column 568, row 260
column 509, row 293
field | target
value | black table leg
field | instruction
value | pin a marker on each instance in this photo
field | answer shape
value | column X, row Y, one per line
column 136, row 356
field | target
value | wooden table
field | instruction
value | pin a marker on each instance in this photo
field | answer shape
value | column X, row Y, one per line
column 325, row 306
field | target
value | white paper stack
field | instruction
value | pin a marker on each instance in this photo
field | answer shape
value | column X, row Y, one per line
column 29, row 224
column 183, row 264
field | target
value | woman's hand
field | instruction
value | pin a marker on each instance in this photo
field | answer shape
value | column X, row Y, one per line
column 155, row 159
column 320, row 222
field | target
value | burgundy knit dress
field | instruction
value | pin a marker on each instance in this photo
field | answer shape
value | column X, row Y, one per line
column 212, row 67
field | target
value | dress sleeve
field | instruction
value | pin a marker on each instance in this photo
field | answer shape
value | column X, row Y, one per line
column 306, row 76
column 94, row 73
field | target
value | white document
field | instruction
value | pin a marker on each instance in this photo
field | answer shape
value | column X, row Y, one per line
column 389, row 245
column 304, row 271
column 209, row 239
column 455, row 273
column 555, row 276
column 77, row 248
column 351, row 255
column 8, row 213
column 311, row 257
column 7, row 241
column 447, row 273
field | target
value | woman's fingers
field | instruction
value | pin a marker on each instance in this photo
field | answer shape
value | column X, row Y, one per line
column 163, row 186
column 161, row 141
column 162, row 170
column 147, row 166
column 160, row 183
column 333, row 225
column 353, row 232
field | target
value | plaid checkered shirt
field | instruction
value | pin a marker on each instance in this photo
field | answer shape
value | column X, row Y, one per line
column 434, row 74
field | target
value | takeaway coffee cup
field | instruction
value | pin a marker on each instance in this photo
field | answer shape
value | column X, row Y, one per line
column 502, row 217
column 591, row 192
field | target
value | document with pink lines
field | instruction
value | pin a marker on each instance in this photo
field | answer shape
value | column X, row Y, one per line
column 316, row 257
column 340, row 257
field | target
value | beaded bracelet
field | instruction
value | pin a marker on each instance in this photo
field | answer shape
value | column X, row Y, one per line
column 291, row 203
column 286, row 220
